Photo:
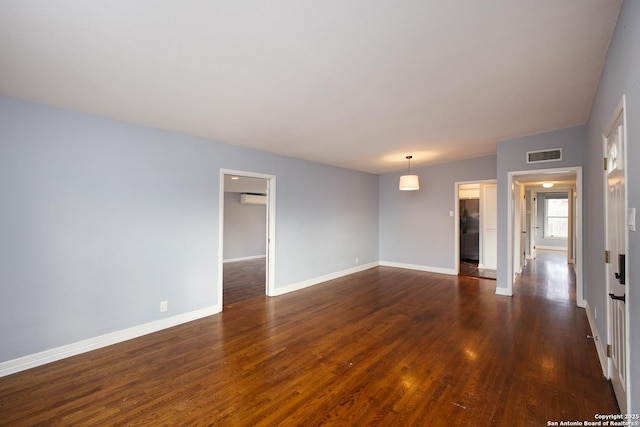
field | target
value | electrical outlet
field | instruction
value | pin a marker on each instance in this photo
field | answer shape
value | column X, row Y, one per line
column 164, row 306
column 357, row 260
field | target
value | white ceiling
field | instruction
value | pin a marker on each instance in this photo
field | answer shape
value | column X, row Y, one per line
column 352, row 83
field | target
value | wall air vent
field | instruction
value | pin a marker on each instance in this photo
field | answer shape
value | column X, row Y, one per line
column 553, row 155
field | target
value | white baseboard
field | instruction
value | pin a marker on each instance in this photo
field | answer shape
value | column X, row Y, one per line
column 487, row 267
column 602, row 353
column 439, row 270
column 503, row 292
column 306, row 283
column 246, row 258
column 37, row 359
column 31, row 361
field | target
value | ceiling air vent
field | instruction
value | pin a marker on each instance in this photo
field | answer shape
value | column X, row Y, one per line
column 540, row 156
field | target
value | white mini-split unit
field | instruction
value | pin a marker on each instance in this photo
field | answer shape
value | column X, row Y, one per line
column 253, row 199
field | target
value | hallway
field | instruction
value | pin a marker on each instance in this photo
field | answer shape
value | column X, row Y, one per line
column 548, row 277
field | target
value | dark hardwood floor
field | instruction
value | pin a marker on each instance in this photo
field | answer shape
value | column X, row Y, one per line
column 386, row 346
column 243, row 280
column 471, row 269
column 547, row 277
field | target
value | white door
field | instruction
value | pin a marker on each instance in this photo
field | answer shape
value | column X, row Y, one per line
column 517, row 229
column 523, row 227
column 534, row 224
column 489, row 220
column 571, row 239
column 616, row 230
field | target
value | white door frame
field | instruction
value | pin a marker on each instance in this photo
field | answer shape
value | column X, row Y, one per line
column 580, row 301
column 533, row 229
column 620, row 109
column 515, row 206
column 571, row 247
column 271, row 229
column 456, row 218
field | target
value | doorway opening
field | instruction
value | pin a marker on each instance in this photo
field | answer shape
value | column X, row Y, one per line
column 549, row 223
column 545, row 213
column 246, row 246
column 476, row 229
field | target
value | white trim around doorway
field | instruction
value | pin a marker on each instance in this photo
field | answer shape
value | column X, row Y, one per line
column 578, row 266
column 271, row 229
column 456, row 216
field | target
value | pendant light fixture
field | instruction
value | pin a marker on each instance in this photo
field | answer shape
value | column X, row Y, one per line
column 408, row 181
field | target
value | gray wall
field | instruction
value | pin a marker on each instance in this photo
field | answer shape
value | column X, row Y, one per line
column 512, row 158
column 621, row 75
column 101, row 220
column 415, row 226
column 245, row 228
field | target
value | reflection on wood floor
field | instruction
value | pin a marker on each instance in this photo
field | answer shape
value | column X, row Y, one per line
column 385, row 346
column 549, row 276
column 243, row 280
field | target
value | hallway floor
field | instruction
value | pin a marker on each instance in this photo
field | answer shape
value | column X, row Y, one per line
column 548, row 276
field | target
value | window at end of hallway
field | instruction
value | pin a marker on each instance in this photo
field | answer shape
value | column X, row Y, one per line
column 556, row 218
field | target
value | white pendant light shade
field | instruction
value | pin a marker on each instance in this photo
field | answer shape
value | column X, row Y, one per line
column 409, row 182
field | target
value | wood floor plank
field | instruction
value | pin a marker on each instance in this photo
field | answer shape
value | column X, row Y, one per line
column 382, row 347
column 243, row 280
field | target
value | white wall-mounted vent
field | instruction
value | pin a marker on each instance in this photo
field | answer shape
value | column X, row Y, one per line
column 253, row 199
column 553, row 155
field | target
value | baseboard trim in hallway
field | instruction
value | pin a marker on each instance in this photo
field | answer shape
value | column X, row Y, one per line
column 602, row 353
